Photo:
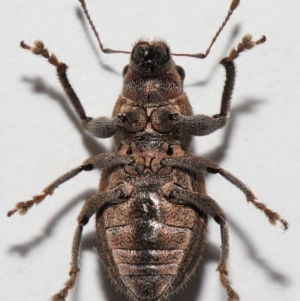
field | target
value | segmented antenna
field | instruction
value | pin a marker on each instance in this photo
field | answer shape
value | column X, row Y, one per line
column 105, row 50
column 234, row 4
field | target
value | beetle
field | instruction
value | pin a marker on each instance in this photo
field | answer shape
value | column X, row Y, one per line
column 151, row 208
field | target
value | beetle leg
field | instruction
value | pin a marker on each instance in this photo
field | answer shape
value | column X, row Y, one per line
column 204, row 125
column 201, row 125
column 209, row 206
column 117, row 195
column 203, row 202
column 101, row 127
column 74, row 265
column 200, row 164
column 271, row 215
column 222, row 267
column 228, row 88
column 97, row 162
column 219, row 120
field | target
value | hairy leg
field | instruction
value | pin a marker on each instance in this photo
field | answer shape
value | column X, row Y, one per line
column 194, row 163
column 101, row 127
column 207, row 205
column 97, row 162
column 117, row 195
column 200, row 125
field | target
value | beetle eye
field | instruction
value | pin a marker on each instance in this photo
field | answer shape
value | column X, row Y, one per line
column 181, row 72
column 125, row 70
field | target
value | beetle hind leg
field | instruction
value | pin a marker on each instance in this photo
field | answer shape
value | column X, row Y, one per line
column 96, row 202
column 62, row 294
column 209, row 206
column 222, row 268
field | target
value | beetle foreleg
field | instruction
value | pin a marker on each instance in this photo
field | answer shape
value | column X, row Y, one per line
column 201, row 125
column 101, row 127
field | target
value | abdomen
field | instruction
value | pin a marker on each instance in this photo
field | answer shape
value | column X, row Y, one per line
column 149, row 245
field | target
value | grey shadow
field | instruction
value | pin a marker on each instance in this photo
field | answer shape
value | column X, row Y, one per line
column 248, row 106
column 257, row 257
column 24, row 248
column 234, row 33
column 39, row 86
column 218, row 154
column 96, row 50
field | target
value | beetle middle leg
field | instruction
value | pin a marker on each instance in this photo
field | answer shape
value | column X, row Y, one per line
column 115, row 196
column 199, row 164
column 209, row 206
column 97, row 162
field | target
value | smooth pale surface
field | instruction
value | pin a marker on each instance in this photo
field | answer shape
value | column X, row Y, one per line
column 41, row 138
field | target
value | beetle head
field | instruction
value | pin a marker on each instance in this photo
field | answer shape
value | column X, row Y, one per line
column 150, row 58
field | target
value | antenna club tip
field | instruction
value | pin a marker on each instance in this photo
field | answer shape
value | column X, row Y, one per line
column 234, row 4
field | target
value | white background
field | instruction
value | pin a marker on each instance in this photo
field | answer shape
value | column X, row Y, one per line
column 41, row 138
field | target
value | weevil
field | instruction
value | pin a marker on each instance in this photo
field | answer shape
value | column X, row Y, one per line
column 152, row 207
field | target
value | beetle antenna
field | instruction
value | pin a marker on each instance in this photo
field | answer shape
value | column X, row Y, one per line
column 234, row 4
column 105, row 50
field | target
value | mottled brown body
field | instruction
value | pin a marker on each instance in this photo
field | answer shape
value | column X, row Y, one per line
column 147, row 101
column 151, row 207
column 148, row 245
